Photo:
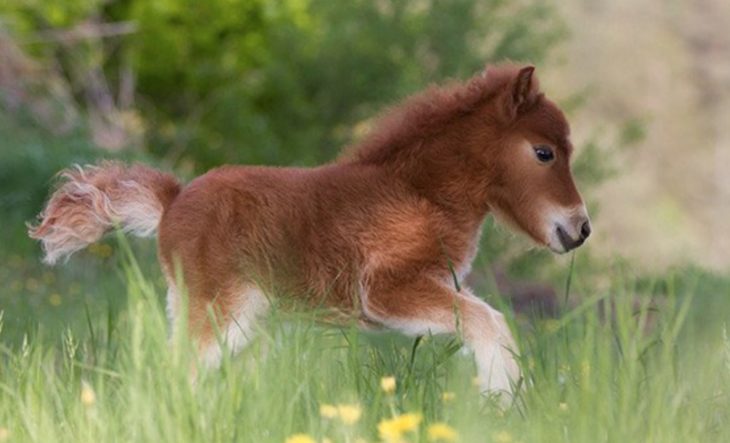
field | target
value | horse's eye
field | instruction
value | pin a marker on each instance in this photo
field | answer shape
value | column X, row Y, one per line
column 544, row 153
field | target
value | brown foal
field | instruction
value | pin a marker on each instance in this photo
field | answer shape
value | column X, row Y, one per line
column 373, row 234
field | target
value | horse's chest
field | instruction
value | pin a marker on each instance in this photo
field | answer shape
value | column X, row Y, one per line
column 465, row 254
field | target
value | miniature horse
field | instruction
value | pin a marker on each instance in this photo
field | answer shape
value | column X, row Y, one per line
column 377, row 234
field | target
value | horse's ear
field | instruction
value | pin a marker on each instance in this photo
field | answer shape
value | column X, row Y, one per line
column 522, row 86
column 523, row 91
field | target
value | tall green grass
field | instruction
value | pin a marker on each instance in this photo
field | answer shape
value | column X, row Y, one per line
column 613, row 368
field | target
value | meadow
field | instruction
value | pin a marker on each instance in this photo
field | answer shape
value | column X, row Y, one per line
column 87, row 355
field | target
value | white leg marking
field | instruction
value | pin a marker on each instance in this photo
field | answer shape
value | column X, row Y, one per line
column 238, row 330
column 485, row 331
column 173, row 302
column 495, row 350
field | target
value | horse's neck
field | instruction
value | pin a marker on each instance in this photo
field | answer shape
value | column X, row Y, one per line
column 441, row 170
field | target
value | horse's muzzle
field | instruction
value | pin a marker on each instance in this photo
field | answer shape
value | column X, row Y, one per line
column 582, row 228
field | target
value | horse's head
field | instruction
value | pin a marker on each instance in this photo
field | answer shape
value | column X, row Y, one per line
column 531, row 186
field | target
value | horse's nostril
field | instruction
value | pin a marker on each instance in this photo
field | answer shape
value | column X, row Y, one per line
column 585, row 230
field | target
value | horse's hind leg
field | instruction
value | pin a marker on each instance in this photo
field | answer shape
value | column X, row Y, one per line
column 224, row 323
column 232, row 327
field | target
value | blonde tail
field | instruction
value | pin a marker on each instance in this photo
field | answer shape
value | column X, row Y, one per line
column 92, row 200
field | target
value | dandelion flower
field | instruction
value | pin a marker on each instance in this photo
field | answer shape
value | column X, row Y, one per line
column 101, row 250
column 349, row 414
column 391, row 430
column 442, row 432
column 88, row 397
column 328, row 411
column 300, row 438
column 585, row 370
column 32, row 284
column 48, row 278
column 502, row 437
column 551, row 326
column 387, row 384
column 448, row 396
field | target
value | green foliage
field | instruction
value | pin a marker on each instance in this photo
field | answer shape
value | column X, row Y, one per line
column 28, row 162
column 318, row 70
column 30, row 158
column 28, row 16
column 255, row 81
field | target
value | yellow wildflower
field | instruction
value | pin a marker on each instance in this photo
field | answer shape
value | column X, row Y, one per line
column 88, row 397
column 442, row 432
column 393, row 429
column 16, row 260
column 328, row 411
column 387, row 384
column 349, row 414
column 32, row 284
column 585, row 370
column 300, row 438
column 54, row 299
column 48, row 278
column 448, row 396
column 551, row 325
column 502, row 437
column 101, row 250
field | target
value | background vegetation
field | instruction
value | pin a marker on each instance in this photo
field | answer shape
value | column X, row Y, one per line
column 624, row 351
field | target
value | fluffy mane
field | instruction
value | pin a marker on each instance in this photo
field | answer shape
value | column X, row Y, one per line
column 427, row 113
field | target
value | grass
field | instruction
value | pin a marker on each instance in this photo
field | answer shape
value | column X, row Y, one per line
column 100, row 366
column 85, row 355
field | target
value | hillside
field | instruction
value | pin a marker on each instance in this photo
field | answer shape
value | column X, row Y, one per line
column 668, row 68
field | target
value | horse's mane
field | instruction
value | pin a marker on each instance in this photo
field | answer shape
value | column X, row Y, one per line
column 427, row 113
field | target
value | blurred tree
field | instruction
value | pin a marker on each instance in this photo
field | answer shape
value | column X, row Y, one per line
column 283, row 82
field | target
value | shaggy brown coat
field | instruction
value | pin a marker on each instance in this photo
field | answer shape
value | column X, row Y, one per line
column 372, row 235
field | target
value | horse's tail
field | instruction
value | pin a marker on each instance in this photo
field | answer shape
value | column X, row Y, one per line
column 92, row 200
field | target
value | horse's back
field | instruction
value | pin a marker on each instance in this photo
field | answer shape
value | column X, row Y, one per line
column 310, row 226
column 228, row 215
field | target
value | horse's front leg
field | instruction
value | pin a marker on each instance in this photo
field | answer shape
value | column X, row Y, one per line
column 426, row 306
